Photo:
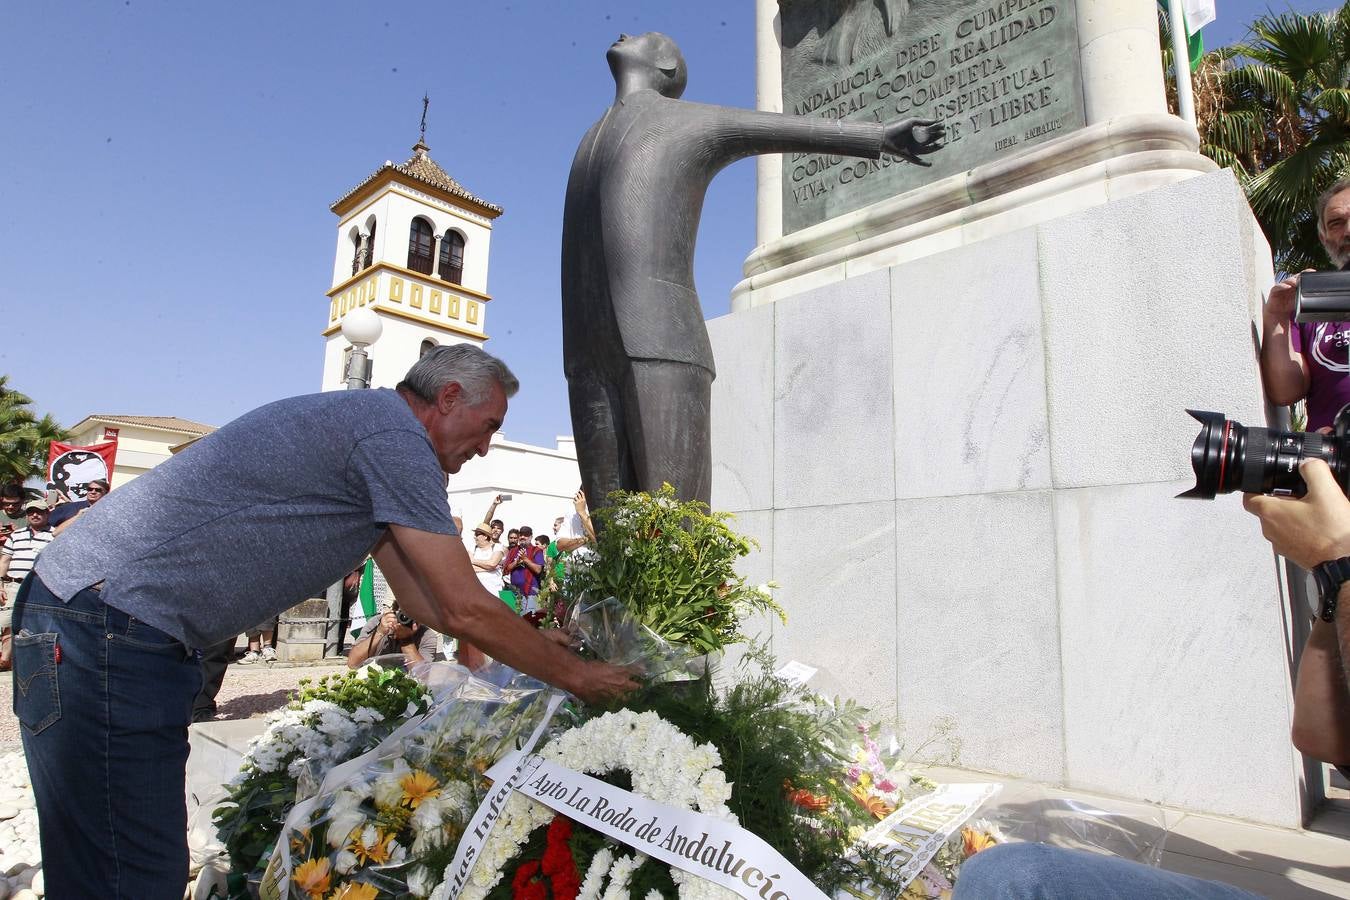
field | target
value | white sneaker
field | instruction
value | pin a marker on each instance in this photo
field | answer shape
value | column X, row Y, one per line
column 269, row 654
column 250, row 658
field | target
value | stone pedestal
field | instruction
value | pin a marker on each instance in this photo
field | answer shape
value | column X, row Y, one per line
column 1127, row 144
column 301, row 631
column 962, row 469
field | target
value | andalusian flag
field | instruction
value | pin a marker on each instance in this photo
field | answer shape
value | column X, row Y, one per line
column 1198, row 14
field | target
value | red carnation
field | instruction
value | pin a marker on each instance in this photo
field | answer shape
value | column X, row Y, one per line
column 558, row 864
column 525, row 886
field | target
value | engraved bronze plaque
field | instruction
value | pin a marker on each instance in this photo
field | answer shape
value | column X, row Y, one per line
column 1002, row 75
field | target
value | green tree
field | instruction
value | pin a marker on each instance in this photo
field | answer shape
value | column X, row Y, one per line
column 1275, row 109
column 24, row 438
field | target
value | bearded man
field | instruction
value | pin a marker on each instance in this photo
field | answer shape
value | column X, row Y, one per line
column 1310, row 361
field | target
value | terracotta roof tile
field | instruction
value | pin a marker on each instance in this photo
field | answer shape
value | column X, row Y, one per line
column 168, row 423
column 421, row 167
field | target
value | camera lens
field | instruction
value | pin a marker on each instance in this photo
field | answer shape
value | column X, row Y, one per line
column 403, row 618
column 1227, row 457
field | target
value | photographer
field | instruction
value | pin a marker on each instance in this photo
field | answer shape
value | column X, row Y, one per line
column 1312, row 530
column 395, row 632
column 1310, row 361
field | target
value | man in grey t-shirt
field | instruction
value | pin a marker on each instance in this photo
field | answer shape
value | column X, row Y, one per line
column 247, row 522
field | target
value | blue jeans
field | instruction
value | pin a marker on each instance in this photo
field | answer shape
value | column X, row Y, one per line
column 104, row 703
column 1041, row 872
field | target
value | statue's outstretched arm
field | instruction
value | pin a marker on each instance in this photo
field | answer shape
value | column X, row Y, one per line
column 737, row 133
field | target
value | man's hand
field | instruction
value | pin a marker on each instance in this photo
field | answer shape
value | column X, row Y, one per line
column 1279, row 306
column 601, row 682
column 909, row 138
column 1310, row 529
column 579, row 503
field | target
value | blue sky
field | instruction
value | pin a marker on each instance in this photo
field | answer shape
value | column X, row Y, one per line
column 168, row 167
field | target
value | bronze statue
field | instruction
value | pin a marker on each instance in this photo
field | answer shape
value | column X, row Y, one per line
column 635, row 350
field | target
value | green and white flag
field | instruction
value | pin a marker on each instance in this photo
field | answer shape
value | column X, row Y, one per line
column 1198, row 14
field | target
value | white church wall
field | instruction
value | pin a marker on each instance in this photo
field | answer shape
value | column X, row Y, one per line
column 541, row 480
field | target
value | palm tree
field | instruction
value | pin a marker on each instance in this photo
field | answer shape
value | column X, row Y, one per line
column 24, row 438
column 1276, row 110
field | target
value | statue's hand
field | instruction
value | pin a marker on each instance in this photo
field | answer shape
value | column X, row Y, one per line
column 910, row 138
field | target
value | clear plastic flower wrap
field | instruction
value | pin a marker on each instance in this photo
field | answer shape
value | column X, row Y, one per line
column 387, row 822
column 1045, row 815
column 609, row 631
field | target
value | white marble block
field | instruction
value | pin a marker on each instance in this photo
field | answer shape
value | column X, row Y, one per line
column 969, row 371
column 974, row 457
column 742, row 451
column 1176, row 687
column 832, row 395
column 837, row 570
column 1145, row 308
column 978, row 629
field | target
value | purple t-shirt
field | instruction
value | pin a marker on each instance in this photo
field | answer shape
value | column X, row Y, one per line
column 1326, row 349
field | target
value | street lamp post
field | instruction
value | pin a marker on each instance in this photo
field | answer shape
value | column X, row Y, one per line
column 361, row 327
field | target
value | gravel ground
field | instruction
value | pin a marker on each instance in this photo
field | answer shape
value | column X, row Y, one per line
column 247, row 691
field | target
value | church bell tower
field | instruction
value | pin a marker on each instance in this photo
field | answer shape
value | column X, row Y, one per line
column 412, row 244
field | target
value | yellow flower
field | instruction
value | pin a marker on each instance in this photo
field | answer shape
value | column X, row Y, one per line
column 975, row 841
column 874, row 805
column 377, row 853
column 312, row 877
column 300, row 842
column 354, row 891
column 418, row 786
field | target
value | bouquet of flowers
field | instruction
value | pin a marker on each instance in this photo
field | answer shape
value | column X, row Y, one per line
column 388, row 822
column 672, row 564
column 326, row 723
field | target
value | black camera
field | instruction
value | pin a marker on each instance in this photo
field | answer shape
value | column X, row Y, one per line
column 1227, row 457
column 403, row 618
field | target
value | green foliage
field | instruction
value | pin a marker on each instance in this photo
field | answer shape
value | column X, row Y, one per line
column 672, row 564
column 24, row 438
column 774, row 736
column 1276, row 110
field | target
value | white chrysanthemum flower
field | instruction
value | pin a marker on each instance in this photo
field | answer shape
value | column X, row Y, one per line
column 420, row 881
column 344, row 862
column 595, row 874
column 342, row 824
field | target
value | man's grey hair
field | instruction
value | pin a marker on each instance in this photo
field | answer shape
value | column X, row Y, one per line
column 1342, row 184
column 464, row 364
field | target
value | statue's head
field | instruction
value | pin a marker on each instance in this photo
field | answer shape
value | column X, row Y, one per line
column 650, row 60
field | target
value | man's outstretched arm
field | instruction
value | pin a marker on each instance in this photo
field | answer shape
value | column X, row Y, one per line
column 433, row 580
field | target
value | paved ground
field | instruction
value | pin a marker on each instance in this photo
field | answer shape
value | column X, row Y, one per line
column 247, row 691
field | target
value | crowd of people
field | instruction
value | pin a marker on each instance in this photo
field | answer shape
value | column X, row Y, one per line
column 29, row 521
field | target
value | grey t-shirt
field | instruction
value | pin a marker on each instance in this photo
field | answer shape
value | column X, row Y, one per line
column 254, row 518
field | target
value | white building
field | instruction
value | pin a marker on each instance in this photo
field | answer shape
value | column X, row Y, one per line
column 540, row 481
column 412, row 244
column 143, row 442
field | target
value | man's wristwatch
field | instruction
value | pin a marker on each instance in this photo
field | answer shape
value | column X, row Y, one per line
column 1329, row 576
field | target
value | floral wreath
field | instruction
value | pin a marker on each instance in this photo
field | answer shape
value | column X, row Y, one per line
column 666, row 766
